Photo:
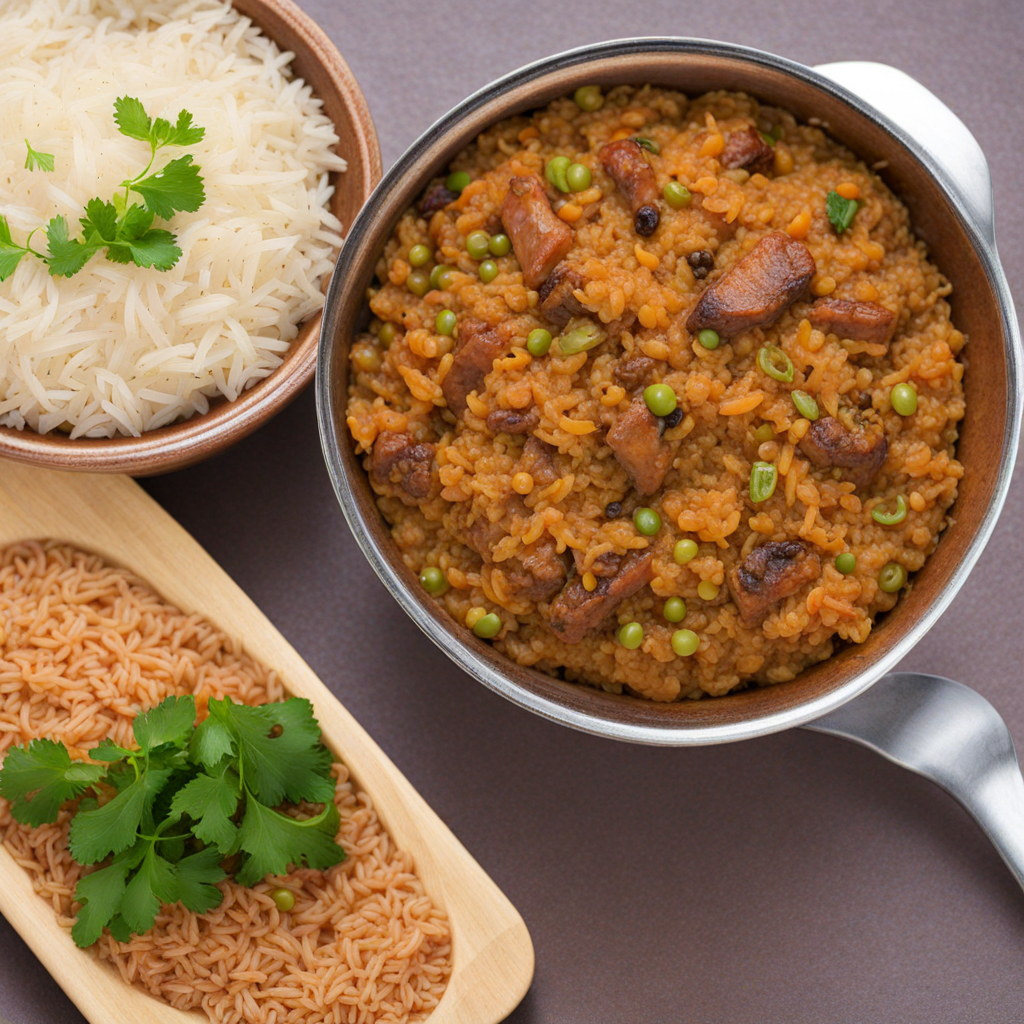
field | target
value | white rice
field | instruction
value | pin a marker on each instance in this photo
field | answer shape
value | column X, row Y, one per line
column 118, row 349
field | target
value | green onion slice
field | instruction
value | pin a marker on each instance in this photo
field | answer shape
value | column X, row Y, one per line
column 775, row 363
column 649, row 144
column 763, row 478
column 806, row 405
column 891, row 518
column 580, row 339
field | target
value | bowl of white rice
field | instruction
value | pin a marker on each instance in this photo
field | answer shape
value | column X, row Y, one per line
column 122, row 368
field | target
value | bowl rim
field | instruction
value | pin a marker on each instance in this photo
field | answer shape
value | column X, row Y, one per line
column 185, row 442
column 468, row 653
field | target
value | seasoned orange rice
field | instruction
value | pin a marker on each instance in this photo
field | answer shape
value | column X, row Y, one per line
column 481, row 516
column 83, row 648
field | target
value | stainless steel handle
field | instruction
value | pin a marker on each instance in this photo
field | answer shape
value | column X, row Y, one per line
column 951, row 735
column 925, row 119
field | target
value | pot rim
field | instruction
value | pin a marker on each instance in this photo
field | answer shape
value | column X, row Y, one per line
column 468, row 654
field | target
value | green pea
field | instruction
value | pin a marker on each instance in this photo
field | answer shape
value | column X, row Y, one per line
column 685, row 551
column 647, row 521
column 433, row 580
column 445, row 322
column 478, row 244
column 418, row 282
column 765, row 432
column 631, row 635
column 457, row 181
column 387, row 334
column 775, row 363
column 685, row 642
column 589, row 98
column 538, row 341
column 904, row 399
column 892, row 577
column 891, row 518
column 674, row 610
column 487, row 626
column 580, row 339
column 763, row 478
column 440, row 276
column 419, row 255
column 500, row 245
column 846, row 562
column 284, row 898
column 488, row 271
column 578, row 177
column 555, row 172
column 806, row 405
column 709, row 338
column 677, row 195
column 660, row 399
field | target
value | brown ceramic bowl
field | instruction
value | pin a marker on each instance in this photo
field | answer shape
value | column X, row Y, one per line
column 188, row 441
column 933, row 164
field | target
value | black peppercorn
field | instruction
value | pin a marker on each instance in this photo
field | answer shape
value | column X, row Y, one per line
column 613, row 510
column 701, row 263
column 674, row 418
column 646, row 220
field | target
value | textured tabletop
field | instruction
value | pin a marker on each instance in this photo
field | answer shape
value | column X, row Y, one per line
column 790, row 879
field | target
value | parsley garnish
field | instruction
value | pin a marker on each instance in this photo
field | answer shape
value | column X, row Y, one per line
column 123, row 228
column 38, row 161
column 188, row 801
column 840, row 211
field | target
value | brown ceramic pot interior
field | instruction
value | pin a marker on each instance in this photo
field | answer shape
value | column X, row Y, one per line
column 976, row 311
column 189, row 441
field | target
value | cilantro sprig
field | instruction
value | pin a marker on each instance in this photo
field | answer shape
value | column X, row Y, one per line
column 123, row 228
column 189, row 806
column 841, row 211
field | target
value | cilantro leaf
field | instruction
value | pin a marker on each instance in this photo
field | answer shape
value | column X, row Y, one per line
column 273, row 841
column 100, row 895
column 840, row 211
column 290, row 765
column 100, row 220
column 210, row 802
column 119, row 929
column 178, row 186
column 67, row 255
column 155, row 248
column 38, row 778
column 197, row 878
column 132, row 119
column 171, row 721
column 108, row 750
column 10, row 254
column 152, row 885
column 112, row 828
column 183, row 133
column 36, row 161
column 214, row 738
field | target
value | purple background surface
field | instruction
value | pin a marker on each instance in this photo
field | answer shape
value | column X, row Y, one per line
column 790, row 879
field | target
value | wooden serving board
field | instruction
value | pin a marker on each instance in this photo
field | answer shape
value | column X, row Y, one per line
column 113, row 517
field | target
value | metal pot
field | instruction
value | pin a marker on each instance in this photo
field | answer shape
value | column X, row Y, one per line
column 929, row 159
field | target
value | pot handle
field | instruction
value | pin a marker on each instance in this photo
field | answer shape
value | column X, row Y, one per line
column 922, row 116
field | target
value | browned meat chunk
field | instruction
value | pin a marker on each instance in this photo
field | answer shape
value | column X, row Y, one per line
column 478, row 347
column 858, row 321
column 634, row 372
column 558, row 305
column 604, row 565
column 747, row 149
column 756, row 291
column 636, row 441
column 625, row 162
column 539, row 574
column 402, row 461
column 513, row 421
column 437, row 197
column 859, row 454
column 538, row 461
column 539, row 238
column 771, row 572
column 578, row 611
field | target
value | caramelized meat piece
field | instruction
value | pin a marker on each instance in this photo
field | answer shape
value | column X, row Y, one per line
column 771, row 572
column 578, row 611
column 539, row 238
column 858, row 321
column 539, row 574
column 437, row 197
column 756, row 291
column 636, row 441
column 633, row 372
column 701, row 263
column 747, row 149
column 558, row 305
column 513, row 421
column 625, row 162
column 478, row 347
column 859, row 454
column 402, row 461
column 604, row 565
column 538, row 460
